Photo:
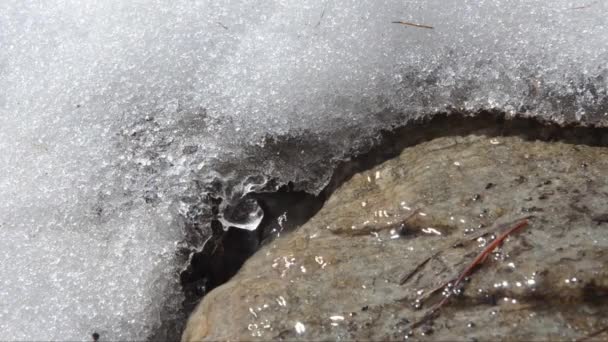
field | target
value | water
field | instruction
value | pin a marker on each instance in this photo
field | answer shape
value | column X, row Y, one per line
column 125, row 127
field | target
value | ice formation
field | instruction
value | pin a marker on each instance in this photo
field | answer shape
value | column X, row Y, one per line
column 123, row 122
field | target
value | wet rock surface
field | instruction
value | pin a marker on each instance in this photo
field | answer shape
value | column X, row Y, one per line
column 365, row 265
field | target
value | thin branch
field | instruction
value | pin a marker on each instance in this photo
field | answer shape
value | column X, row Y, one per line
column 412, row 24
column 481, row 257
column 489, row 248
column 322, row 14
column 409, row 275
column 593, row 334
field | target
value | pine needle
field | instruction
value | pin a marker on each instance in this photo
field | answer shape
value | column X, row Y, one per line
column 413, row 24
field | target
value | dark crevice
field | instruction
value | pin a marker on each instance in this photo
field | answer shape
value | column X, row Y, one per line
column 488, row 123
column 226, row 252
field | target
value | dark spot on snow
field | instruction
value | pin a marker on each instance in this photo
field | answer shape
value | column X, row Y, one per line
column 191, row 149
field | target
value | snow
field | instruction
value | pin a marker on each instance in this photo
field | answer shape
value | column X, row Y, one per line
column 119, row 120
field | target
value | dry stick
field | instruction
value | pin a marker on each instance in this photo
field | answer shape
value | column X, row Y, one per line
column 499, row 228
column 432, row 292
column 412, row 24
column 486, row 251
column 592, row 335
column 322, row 14
column 407, row 277
column 478, row 260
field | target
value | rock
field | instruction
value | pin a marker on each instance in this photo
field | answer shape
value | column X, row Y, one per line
column 389, row 235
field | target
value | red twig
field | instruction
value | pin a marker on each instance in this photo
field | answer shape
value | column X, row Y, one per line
column 489, row 248
column 481, row 257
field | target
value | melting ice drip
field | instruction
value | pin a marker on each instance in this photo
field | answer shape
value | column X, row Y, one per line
column 246, row 214
column 118, row 118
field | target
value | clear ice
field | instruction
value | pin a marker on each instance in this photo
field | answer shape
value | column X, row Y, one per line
column 120, row 121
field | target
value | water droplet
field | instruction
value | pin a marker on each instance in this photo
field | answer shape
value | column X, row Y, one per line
column 281, row 301
column 431, row 230
column 300, row 328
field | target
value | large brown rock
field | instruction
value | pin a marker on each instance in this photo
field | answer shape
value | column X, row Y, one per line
column 339, row 277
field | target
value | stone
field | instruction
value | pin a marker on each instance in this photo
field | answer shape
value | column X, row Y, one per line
column 390, row 235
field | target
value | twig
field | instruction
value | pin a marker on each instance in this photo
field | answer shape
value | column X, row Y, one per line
column 499, row 228
column 481, row 257
column 593, row 334
column 322, row 14
column 433, row 291
column 412, row 24
column 489, row 248
column 222, row 25
column 409, row 275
